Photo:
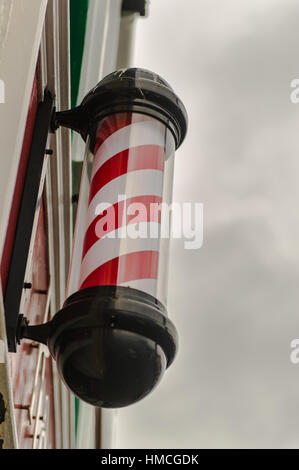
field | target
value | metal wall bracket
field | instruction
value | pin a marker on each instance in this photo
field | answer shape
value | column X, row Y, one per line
column 136, row 6
column 29, row 203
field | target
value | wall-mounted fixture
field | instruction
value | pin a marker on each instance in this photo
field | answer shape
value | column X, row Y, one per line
column 113, row 340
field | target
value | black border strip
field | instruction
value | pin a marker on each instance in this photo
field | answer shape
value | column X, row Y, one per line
column 29, row 203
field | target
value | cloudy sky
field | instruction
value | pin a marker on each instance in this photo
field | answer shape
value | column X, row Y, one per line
column 235, row 301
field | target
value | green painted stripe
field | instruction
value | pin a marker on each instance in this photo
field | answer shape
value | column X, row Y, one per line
column 78, row 19
column 77, row 410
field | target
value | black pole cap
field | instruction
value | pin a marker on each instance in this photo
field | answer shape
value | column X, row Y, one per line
column 111, row 344
column 136, row 6
column 135, row 89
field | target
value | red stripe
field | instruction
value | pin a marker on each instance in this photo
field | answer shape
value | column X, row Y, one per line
column 109, row 125
column 125, row 268
column 115, row 122
column 143, row 157
column 115, row 217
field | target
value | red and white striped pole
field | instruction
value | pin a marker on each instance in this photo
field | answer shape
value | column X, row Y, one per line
column 113, row 339
column 132, row 157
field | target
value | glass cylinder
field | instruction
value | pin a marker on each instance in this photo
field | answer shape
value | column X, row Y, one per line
column 123, row 218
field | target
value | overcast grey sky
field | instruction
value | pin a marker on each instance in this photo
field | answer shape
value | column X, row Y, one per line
column 235, row 301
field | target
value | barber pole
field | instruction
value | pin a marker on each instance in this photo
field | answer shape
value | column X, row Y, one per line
column 113, row 340
column 132, row 153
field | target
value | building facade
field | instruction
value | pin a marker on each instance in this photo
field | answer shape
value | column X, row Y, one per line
column 49, row 50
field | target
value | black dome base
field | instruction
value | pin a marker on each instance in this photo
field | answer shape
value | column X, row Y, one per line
column 112, row 344
column 109, row 368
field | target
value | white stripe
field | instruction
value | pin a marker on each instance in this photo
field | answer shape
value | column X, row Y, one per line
column 108, row 248
column 139, row 133
column 133, row 184
column 146, row 285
